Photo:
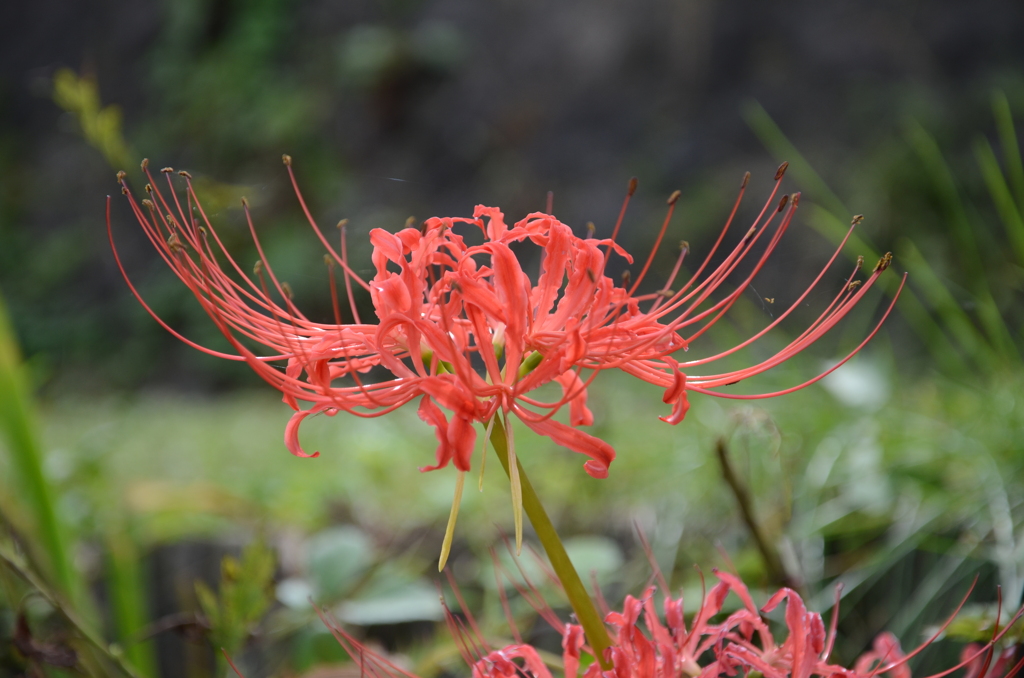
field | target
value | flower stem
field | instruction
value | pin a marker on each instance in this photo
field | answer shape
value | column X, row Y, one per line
column 582, row 605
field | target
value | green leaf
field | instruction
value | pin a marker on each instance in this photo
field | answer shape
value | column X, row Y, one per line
column 776, row 142
column 17, row 421
column 1008, row 140
column 946, row 190
column 954, row 319
column 128, row 601
column 416, row 601
column 337, row 558
column 830, row 218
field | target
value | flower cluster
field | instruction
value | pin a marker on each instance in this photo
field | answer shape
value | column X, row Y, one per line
column 463, row 330
column 647, row 645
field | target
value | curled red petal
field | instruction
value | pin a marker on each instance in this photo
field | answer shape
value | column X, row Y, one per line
column 678, row 386
column 461, row 438
column 679, row 410
column 572, row 642
column 432, row 414
column 601, row 453
column 386, row 247
column 291, row 433
column 496, row 227
column 573, row 388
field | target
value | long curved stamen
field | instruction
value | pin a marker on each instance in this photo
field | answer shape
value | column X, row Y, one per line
column 809, row 336
column 666, row 291
column 723, row 306
column 152, row 313
column 672, row 200
column 816, row 379
column 782, row 316
column 343, row 227
column 732, row 215
column 726, row 268
column 312, row 222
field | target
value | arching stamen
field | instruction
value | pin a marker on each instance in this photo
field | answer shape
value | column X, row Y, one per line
column 343, row 227
column 666, row 291
column 266, row 264
column 672, row 200
column 152, row 313
column 312, row 222
column 633, row 183
column 721, row 236
column 845, row 289
column 821, row 376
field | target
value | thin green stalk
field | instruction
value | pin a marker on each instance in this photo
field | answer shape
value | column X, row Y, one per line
column 582, row 605
column 128, row 601
column 772, row 561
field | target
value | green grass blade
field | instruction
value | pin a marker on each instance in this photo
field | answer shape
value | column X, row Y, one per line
column 1011, row 150
column 954, row 569
column 924, row 325
column 778, row 144
column 830, row 218
column 928, row 152
column 834, row 229
column 954, row 319
column 945, row 186
column 17, row 420
column 128, row 602
column 1001, row 196
column 97, row 652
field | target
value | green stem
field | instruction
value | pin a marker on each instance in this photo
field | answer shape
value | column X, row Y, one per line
column 582, row 605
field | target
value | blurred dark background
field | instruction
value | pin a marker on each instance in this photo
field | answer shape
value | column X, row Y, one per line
column 402, row 108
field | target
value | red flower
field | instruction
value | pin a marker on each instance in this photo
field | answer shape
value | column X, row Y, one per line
column 463, row 330
column 739, row 645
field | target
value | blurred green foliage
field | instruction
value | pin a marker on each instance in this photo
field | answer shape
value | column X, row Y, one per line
column 242, row 599
column 101, row 126
column 951, row 303
column 17, row 420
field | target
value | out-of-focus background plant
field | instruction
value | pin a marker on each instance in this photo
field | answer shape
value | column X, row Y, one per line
column 149, row 513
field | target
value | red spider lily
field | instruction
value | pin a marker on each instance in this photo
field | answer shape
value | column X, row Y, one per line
column 1002, row 667
column 741, row 644
column 463, row 330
